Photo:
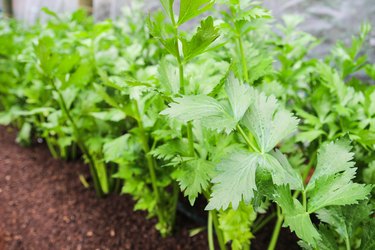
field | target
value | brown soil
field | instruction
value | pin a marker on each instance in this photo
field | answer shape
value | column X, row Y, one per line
column 43, row 205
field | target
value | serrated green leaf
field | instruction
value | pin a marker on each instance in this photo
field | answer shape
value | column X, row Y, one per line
column 309, row 136
column 206, row 34
column 192, row 8
column 116, row 148
column 194, row 177
column 82, row 75
column 253, row 13
column 239, row 95
column 69, row 95
column 168, row 77
column 111, row 114
column 103, row 94
column 327, row 241
column 170, row 44
column 170, row 150
column 158, row 30
column 235, row 181
column 43, row 51
column 337, row 190
column 190, row 108
column 281, row 170
column 333, row 158
column 301, row 224
column 202, row 108
column 210, row 112
column 308, row 118
column 295, row 216
column 268, row 122
column 331, row 183
column 168, row 7
column 66, row 63
column 347, row 221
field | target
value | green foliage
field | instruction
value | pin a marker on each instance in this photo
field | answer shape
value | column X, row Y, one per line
column 192, row 8
column 229, row 109
column 235, row 182
column 268, row 122
column 296, row 216
column 206, row 34
column 235, row 225
column 350, row 223
column 193, row 177
column 330, row 186
column 369, row 173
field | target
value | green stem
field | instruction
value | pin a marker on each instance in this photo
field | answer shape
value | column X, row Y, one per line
column 63, row 153
column 263, row 223
column 150, row 162
column 304, row 199
column 172, row 16
column 48, row 141
column 182, row 91
column 178, row 57
column 210, row 232
column 51, row 148
column 182, row 84
column 247, row 139
column 276, row 230
column 219, row 232
column 347, row 243
column 181, row 71
column 190, row 139
column 80, row 143
column 243, row 60
column 305, row 173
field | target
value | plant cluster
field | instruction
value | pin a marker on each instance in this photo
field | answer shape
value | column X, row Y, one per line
column 232, row 108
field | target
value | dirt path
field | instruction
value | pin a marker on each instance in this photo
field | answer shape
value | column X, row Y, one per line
column 43, row 205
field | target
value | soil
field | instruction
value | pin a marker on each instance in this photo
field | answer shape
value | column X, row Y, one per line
column 43, row 205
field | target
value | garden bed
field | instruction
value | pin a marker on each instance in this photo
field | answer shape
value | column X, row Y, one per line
column 45, row 206
column 227, row 129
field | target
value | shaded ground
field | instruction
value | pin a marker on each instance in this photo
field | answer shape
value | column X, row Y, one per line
column 43, row 205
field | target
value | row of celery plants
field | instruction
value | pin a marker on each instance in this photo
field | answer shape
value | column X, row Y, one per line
column 160, row 110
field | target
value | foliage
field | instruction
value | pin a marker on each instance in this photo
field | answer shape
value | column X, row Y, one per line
column 225, row 108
